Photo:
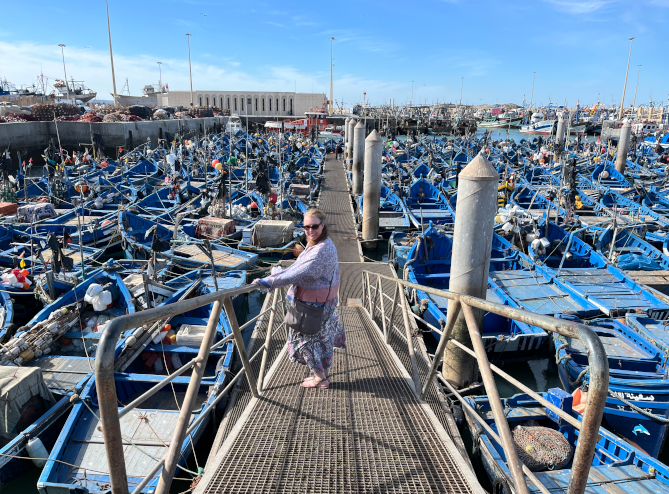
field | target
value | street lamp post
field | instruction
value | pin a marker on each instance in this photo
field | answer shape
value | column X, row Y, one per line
column 160, row 76
column 622, row 101
column 636, row 87
column 111, row 56
column 331, row 81
column 190, row 69
column 67, row 87
column 462, row 85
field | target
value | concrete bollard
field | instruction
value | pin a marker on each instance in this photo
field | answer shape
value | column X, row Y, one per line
column 372, row 190
column 349, row 143
column 346, row 138
column 559, row 135
column 470, row 259
column 358, row 156
column 623, row 146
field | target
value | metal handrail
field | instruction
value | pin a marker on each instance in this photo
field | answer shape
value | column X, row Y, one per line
column 599, row 370
column 106, row 386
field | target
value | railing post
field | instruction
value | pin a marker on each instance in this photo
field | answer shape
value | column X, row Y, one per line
column 383, row 309
column 451, row 317
column 174, row 451
column 268, row 337
column 239, row 342
column 392, row 313
column 412, row 354
column 520, row 486
column 369, row 296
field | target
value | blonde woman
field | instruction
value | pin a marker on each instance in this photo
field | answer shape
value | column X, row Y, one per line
column 314, row 279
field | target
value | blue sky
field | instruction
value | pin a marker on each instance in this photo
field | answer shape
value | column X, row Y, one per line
column 578, row 49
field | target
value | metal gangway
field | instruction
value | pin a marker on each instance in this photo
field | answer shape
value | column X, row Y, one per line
column 378, row 428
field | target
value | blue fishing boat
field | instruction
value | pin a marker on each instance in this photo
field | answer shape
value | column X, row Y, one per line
column 425, row 203
column 79, row 452
column 66, row 363
column 429, row 264
column 638, row 387
column 393, row 214
column 186, row 255
column 617, row 466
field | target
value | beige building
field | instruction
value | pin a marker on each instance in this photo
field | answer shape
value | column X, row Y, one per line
column 248, row 102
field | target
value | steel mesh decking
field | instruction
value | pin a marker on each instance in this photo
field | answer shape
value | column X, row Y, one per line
column 366, row 433
column 335, row 201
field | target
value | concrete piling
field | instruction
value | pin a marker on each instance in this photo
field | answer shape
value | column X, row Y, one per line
column 358, row 156
column 346, row 138
column 349, row 142
column 623, row 146
column 372, row 190
column 470, row 259
column 559, row 135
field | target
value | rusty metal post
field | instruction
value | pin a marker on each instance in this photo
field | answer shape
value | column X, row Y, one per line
column 241, row 348
column 174, row 451
column 412, row 353
column 443, row 340
column 268, row 337
column 495, row 403
column 383, row 309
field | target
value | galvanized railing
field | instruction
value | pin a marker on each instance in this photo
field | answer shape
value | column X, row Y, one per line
column 375, row 302
column 106, row 388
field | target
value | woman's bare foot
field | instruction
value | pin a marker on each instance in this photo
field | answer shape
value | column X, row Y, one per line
column 316, row 382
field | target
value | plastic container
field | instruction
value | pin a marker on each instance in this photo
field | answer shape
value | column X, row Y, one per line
column 37, row 452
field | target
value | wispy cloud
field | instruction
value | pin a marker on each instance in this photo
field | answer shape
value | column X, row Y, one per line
column 275, row 24
column 578, row 6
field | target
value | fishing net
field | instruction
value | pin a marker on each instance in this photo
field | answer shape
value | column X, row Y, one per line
column 541, row 448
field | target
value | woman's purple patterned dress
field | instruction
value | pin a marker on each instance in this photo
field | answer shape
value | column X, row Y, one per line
column 315, row 269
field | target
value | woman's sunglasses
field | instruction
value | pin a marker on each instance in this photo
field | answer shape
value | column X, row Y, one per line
column 312, row 227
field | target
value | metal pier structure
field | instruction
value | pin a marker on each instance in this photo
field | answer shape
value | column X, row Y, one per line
column 382, row 426
column 369, row 432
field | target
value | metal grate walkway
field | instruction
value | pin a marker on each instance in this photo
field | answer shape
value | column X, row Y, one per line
column 367, row 433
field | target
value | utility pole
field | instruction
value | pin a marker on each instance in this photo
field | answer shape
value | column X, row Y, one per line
column 190, row 69
column 622, row 101
column 111, row 56
column 160, row 76
column 636, row 87
column 331, row 82
column 67, row 87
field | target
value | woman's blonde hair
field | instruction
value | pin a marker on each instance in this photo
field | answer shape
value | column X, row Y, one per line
column 321, row 216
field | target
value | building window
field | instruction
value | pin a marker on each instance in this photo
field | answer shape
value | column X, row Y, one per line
column 291, row 106
column 270, row 104
column 235, row 104
column 200, row 100
column 249, row 105
column 241, row 103
column 277, row 104
column 228, row 102
column 284, row 104
column 263, row 104
column 207, row 101
column 256, row 104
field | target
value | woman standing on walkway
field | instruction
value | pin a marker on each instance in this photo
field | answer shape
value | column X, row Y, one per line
column 315, row 280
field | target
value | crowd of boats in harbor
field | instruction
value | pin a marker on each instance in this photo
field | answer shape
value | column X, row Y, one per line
column 90, row 239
